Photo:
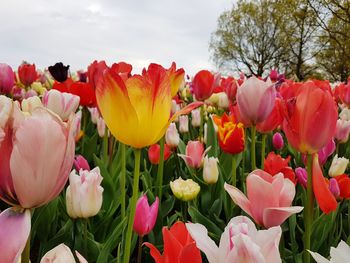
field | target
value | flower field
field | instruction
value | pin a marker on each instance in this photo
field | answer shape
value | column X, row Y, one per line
column 110, row 165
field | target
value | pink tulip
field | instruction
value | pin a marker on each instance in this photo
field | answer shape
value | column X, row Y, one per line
column 334, row 187
column 14, row 232
column 240, row 242
column 269, row 198
column 61, row 103
column 194, row 154
column 301, row 175
column 145, row 216
column 81, row 163
column 196, row 117
column 277, row 141
column 37, row 153
column 172, row 137
column 183, row 124
column 7, row 78
column 101, row 127
column 61, row 253
column 255, row 99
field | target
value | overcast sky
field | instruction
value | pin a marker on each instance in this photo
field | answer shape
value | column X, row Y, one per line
column 136, row 31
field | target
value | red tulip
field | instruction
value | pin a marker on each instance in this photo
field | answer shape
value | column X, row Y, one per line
column 179, row 247
column 203, row 84
column 310, row 119
column 27, row 74
column 344, row 185
column 154, row 153
column 274, row 164
column 94, row 72
column 229, row 85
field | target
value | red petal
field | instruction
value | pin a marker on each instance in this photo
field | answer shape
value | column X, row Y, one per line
column 191, row 254
column 154, row 253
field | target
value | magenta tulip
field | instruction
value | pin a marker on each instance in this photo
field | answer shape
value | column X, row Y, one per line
column 277, row 141
column 81, row 163
column 7, row 78
column 269, row 198
column 255, row 99
column 145, row 216
column 37, row 153
column 14, row 232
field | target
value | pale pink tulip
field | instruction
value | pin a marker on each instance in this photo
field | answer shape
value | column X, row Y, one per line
column 61, row 103
column 255, row 99
column 172, row 137
column 269, row 198
column 14, row 232
column 194, row 154
column 145, row 216
column 101, row 127
column 95, row 114
column 84, row 193
column 61, row 254
column 183, row 124
column 196, row 117
column 240, row 242
column 37, row 153
column 342, row 130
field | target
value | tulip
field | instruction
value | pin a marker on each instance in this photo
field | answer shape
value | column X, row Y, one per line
column 311, row 119
column 185, row 190
column 28, row 105
column 145, row 216
column 7, row 78
column 240, row 242
column 230, row 86
column 230, row 134
column 334, row 187
column 183, row 124
column 301, row 175
column 122, row 69
column 59, row 71
column 95, row 114
column 141, row 104
column 174, row 107
column 340, row 254
column 101, row 127
column 63, row 104
column 172, row 137
column 81, row 163
column 274, row 119
column 84, row 193
column 196, row 118
column 345, row 114
column 203, row 84
column 95, row 70
column 269, row 198
column 154, row 153
column 277, row 141
column 338, row 166
column 255, row 99
column 210, row 170
column 274, row 164
column 14, row 232
column 61, row 254
column 77, row 133
column 176, row 78
column 325, row 152
column 273, row 75
column 223, row 102
column 179, row 247
column 194, row 154
column 344, row 93
column 342, row 130
column 27, row 74
column 34, row 182
column 344, row 186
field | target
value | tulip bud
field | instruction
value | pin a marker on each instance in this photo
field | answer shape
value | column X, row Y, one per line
column 196, row 117
column 77, row 133
column 30, row 93
column 223, row 102
column 7, row 78
column 277, row 141
column 172, row 137
column 334, row 187
column 94, row 114
column 273, row 75
column 338, row 166
column 145, row 216
column 345, row 114
column 174, row 107
column 183, row 124
column 301, row 175
column 28, row 105
column 210, row 170
column 61, row 254
column 154, row 153
column 27, row 74
column 84, row 193
column 185, row 190
column 101, row 127
column 38, row 87
column 81, row 163
column 205, row 138
column 342, row 130
column 63, row 104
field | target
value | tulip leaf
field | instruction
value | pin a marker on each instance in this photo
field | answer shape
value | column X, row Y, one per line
column 212, row 140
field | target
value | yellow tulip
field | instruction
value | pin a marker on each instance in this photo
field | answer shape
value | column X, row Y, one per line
column 137, row 110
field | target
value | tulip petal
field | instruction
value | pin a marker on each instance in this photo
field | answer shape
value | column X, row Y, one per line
column 275, row 216
column 158, row 258
column 14, row 232
column 239, row 198
column 268, row 241
column 340, row 253
column 190, row 253
column 200, row 234
column 324, row 197
column 318, row 258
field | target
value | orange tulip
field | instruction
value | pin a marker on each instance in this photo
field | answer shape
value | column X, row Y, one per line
column 137, row 110
column 230, row 134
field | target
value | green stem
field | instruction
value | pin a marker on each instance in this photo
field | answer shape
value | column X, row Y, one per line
column 84, row 116
column 85, row 223
column 252, row 147
column 25, row 257
column 263, row 146
column 308, row 212
column 105, row 146
column 160, row 169
column 184, row 210
column 135, row 191
column 201, row 127
column 122, row 180
column 234, row 170
column 139, row 250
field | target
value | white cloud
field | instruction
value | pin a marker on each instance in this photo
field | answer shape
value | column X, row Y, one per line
column 139, row 32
